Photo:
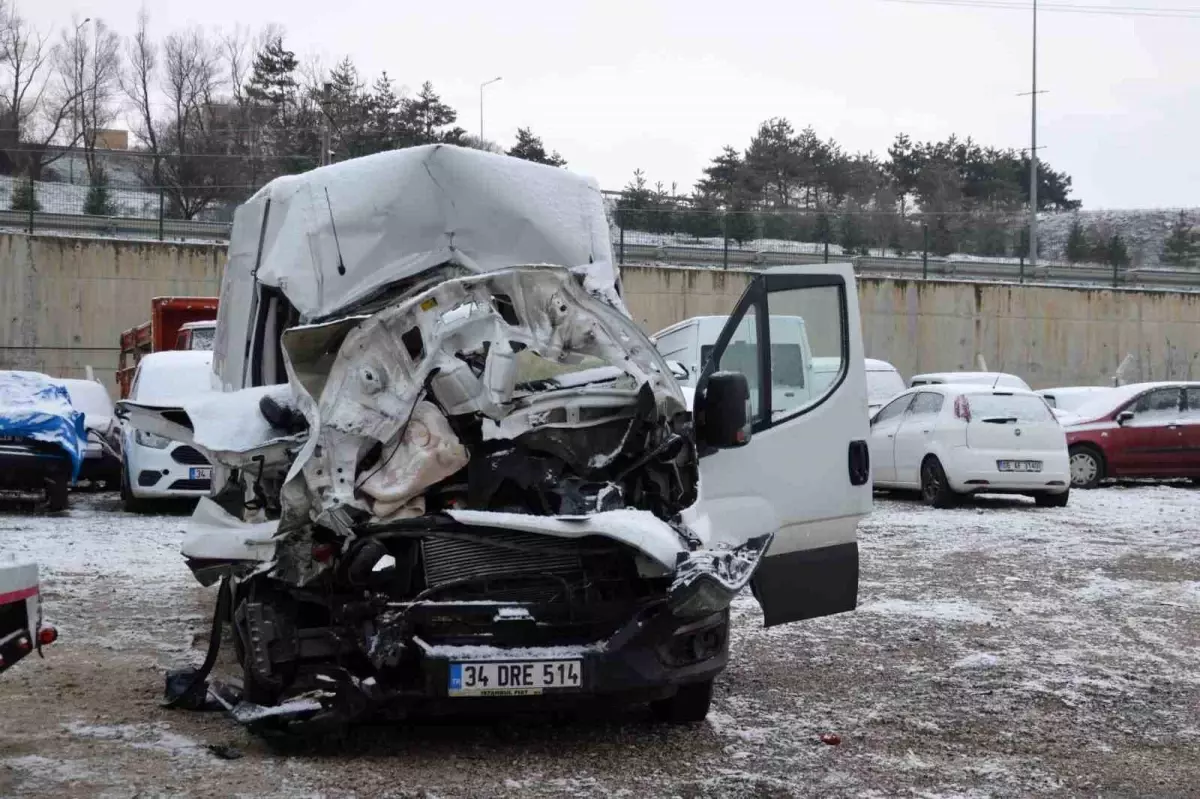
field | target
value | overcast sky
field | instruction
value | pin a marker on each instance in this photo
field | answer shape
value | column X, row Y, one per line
column 663, row 84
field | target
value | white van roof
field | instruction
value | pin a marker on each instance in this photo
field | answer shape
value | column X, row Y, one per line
column 332, row 237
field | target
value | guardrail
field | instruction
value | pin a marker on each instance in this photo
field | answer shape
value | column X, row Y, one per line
column 175, row 230
column 1143, row 277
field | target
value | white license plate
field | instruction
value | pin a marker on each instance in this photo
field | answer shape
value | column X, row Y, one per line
column 1019, row 466
column 200, row 473
column 514, row 679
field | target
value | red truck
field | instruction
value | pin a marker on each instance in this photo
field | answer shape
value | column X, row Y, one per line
column 176, row 323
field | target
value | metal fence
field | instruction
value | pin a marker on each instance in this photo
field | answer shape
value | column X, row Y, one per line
column 968, row 246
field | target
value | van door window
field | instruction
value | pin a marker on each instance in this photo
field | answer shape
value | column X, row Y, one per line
column 807, row 324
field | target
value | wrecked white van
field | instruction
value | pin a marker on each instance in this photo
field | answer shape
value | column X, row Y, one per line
column 451, row 471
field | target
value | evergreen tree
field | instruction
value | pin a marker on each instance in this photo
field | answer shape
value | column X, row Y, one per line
column 1077, row 243
column 423, row 119
column 273, row 77
column 1118, row 254
column 530, row 148
column 99, row 201
column 384, row 112
column 25, row 195
column 1183, row 244
column 634, row 203
column 348, row 108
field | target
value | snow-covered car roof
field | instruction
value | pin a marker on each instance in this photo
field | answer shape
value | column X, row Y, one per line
column 875, row 365
column 167, row 378
column 1109, row 401
column 204, row 325
column 970, row 388
column 90, row 397
column 337, row 235
column 999, row 378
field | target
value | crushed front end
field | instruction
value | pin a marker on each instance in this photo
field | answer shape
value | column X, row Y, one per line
column 475, row 490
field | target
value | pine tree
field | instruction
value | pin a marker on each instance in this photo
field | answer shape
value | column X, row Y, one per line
column 273, row 78
column 634, row 203
column 423, row 119
column 1077, row 243
column 384, row 112
column 99, row 201
column 1183, row 244
column 530, row 148
column 25, row 196
column 1117, row 254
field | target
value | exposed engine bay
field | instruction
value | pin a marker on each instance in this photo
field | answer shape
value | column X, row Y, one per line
column 491, row 461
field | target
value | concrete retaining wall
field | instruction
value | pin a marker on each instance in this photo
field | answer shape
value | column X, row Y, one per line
column 64, row 302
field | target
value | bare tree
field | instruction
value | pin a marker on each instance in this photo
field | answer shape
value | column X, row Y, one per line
column 194, row 172
column 34, row 107
column 138, row 80
column 89, row 61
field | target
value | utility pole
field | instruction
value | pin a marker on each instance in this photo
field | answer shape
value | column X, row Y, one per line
column 326, row 136
column 481, row 87
column 1033, row 155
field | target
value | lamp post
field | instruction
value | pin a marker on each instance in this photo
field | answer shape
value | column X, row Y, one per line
column 481, row 88
column 78, row 98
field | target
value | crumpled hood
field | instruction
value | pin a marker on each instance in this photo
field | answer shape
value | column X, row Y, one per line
column 336, row 235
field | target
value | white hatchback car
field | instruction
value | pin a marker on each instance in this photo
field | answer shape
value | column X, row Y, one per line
column 154, row 467
column 952, row 439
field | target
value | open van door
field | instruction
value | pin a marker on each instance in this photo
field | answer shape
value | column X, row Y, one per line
column 804, row 471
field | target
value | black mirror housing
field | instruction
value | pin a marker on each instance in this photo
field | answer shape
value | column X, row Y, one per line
column 1124, row 416
column 723, row 413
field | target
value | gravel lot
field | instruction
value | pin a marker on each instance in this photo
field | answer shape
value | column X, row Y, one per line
column 999, row 650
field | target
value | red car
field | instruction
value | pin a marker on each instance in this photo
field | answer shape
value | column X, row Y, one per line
column 1140, row 430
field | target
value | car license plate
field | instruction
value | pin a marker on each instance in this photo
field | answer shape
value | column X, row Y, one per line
column 200, row 473
column 1019, row 466
column 514, row 679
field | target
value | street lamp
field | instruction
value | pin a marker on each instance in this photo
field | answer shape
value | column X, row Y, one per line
column 481, row 87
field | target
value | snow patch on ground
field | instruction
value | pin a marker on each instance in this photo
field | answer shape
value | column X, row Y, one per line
column 153, row 737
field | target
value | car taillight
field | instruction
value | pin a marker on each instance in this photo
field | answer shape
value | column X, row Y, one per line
column 47, row 635
column 323, row 553
column 962, row 408
column 23, row 644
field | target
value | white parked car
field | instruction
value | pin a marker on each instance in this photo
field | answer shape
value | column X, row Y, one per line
column 154, row 467
column 997, row 379
column 948, row 440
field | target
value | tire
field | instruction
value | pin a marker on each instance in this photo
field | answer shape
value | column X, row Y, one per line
column 935, row 488
column 1087, row 467
column 57, row 494
column 128, row 501
column 1053, row 500
column 689, row 705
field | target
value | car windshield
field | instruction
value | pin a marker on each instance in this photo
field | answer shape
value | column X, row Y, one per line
column 172, row 380
column 1015, row 407
column 203, row 338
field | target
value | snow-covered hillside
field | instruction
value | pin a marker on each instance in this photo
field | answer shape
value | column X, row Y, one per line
column 1145, row 231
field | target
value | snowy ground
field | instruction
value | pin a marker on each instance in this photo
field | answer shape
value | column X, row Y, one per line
column 999, row 650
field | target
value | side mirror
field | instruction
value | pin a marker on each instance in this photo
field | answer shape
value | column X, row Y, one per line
column 1124, row 416
column 723, row 417
column 678, row 370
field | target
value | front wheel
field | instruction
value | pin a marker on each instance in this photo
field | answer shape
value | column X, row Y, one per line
column 1086, row 467
column 689, row 705
column 128, row 501
column 1053, row 500
column 935, row 488
column 57, row 494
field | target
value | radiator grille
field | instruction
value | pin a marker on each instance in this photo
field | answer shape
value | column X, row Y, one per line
column 189, row 456
column 501, row 554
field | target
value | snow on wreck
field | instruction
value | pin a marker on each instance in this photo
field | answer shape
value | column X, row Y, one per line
column 459, row 413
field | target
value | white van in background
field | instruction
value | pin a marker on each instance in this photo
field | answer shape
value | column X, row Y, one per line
column 690, row 343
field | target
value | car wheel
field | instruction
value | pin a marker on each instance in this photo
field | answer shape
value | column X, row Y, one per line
column 1087, row 468
column 131, row 503
column 1053, row 500
column 689, row 705
column 935, row 488
column 57, row 494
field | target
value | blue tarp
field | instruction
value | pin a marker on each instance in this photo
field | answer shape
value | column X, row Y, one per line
column 33, row 407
